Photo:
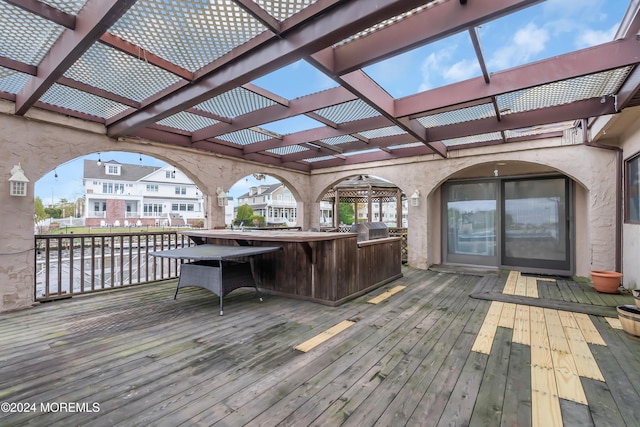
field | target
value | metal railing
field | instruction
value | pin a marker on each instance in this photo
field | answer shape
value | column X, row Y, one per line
column 75, row 264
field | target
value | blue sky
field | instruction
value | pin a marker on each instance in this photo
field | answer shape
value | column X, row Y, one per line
column 68, row 184
column 542, row 31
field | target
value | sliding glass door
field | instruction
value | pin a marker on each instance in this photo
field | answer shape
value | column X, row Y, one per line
column 535, row 226
column 471, row 223
column 503, row 222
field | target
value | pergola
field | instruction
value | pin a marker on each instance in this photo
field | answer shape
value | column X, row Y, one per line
column 182, row 73
column 365, row 190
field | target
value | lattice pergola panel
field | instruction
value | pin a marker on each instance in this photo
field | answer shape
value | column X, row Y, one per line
column 119, row 73
column 409, row 145
column 25, row 37
column 382, row 132
column 348, row 112
column 538, row 130
column 288, row 149
column 187, row 121
column 189, row 33
column 244, row 137
column 235, row 102
column 282, row 10
column 563, row 92
column 76, row 100
column 224, row 71
column 458, row 116
column 319, row 159
column 71, row 7
column 493, row 136
column 390, row 21
column 339, row 140
column 12, row 81
column 362, row 199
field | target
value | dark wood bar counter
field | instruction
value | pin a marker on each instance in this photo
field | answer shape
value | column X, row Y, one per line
column 329, row 268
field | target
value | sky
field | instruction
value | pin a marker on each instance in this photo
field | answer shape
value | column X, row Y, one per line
column 68, row 183
column 542, row 31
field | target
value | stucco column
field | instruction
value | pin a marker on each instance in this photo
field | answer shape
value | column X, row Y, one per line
column 17, row 264
column 418, row 237
column 214, row 213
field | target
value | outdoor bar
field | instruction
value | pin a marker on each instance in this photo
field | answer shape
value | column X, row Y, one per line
column 329, row 268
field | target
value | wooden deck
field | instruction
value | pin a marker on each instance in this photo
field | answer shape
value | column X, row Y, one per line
column 427, row 354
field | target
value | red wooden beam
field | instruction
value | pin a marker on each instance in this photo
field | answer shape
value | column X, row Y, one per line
column 93, row 20
column 321, row 31
column 607, row 56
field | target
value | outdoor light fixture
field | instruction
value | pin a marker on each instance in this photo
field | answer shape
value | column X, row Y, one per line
column 415, row 198
column 18, row 182
column 222, row 197
column 99, row 162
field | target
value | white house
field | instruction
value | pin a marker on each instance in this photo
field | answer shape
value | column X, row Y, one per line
column 119, row 194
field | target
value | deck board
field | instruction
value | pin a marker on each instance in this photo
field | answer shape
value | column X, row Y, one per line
column 150, row 360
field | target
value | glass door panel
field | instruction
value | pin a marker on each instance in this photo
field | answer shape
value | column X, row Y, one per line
column 471, row 223
column 535, row 228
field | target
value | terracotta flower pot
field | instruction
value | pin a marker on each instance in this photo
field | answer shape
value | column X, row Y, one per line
column 606, row 281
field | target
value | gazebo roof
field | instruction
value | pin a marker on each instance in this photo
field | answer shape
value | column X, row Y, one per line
column 360, row 188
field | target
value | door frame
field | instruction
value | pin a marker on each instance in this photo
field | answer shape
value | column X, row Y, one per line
column 566, row 269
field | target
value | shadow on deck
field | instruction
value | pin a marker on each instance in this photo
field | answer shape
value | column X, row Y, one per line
column 412, row 359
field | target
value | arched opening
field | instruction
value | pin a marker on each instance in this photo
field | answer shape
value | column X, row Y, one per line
column 117, row 190
column 261, row 200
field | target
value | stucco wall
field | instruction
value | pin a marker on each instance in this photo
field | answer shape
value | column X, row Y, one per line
column 592, row 169
column 39, row 145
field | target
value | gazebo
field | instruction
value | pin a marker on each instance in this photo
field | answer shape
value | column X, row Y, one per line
column 364, row 189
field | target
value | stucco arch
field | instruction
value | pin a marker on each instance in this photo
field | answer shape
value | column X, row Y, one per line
column 592, row 171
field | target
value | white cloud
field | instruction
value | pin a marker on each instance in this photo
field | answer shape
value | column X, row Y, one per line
column 461, row 70
column 432, row 68
column 526, row 43
column 590, row 37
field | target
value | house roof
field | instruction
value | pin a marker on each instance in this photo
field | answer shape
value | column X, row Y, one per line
column 91, row 170
column 183, row 73
column 266, row 189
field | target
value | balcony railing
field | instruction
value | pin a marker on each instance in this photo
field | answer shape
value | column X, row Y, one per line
column 68, row 264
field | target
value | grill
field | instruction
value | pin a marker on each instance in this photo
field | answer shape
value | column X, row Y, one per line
column 370, row 230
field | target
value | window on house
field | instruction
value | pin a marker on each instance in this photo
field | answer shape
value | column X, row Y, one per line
column 113, row 170
column 632, row 190
column 152, row 188
column 181, row 190
column 151, row 208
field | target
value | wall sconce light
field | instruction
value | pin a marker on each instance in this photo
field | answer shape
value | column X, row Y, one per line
column 18, row 182
column 222, row 197
column 415, row 198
